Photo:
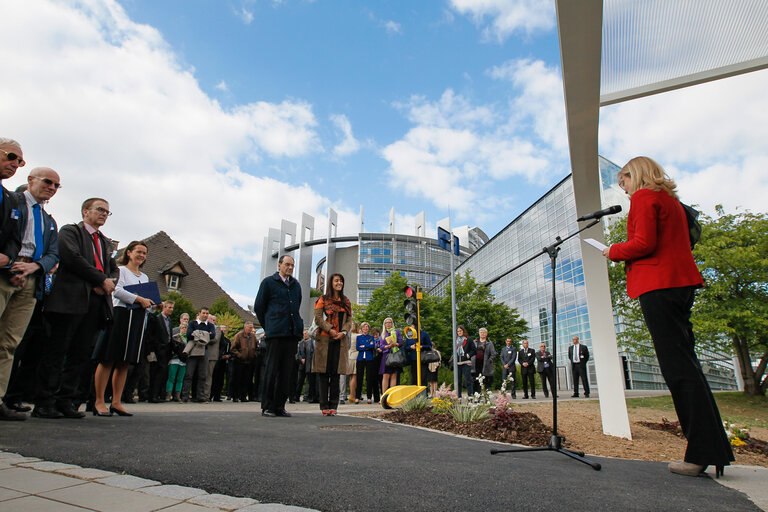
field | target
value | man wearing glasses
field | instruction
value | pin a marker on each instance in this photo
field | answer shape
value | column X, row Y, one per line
column 79, row 306
column 11, row 158
column 24, row 282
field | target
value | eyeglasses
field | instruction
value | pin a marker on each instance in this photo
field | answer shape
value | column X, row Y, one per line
column 55, row 184
column 13, row 156
column 102, row 210
column 622, row 177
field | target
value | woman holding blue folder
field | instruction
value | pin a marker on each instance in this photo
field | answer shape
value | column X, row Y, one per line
column 123, row 342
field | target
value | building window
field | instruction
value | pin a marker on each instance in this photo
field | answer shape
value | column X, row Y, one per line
column 173, row 281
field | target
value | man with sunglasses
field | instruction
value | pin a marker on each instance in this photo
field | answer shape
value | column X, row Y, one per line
column 11, row 158
column 78, row 307
column 23, row 284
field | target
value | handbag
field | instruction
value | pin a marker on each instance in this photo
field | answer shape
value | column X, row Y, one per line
column 430, row 356
column 396, row 359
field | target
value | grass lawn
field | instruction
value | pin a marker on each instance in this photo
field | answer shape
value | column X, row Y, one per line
column 750, row 411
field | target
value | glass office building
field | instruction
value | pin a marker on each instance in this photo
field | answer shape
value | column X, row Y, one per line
column 529, row 288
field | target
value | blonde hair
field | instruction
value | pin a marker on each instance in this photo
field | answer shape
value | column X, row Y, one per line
column 646, row 173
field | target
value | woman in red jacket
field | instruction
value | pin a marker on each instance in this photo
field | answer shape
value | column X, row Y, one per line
column 662, row 273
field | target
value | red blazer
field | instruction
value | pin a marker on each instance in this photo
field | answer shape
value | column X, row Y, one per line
column 658, row 249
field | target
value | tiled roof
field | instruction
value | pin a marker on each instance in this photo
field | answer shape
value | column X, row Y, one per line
column 163, row 253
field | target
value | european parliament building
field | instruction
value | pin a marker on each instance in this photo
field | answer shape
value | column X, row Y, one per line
column 529, row 288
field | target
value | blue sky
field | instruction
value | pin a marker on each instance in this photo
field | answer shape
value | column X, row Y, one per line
column 214, row 120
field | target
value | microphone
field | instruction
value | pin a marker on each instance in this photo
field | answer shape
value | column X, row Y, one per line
column 599, row 214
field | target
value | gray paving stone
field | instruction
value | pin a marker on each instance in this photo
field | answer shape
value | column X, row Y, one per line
column 190, row 507
column 104, row 498
column 221, row 501
column 30, row 481
column 19, row 459
column 174, row 491
column 127, row 481
column 274, row 507
column 38, row 504
column 6, row 455
column 8, row 494
column 85, row 473
column 47, row 466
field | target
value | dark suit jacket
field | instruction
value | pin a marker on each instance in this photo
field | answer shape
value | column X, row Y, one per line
column 160, row 340
column 583, row 353
column 277, row 308
column 9, row 225
column 546, row 357
column 77, row 273
column 527, row 355
column 50, row 255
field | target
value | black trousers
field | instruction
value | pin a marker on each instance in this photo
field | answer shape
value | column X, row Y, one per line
column 579, row 371
column 528, row 374
column 548, row 374
column 281, row 355
column 242, row 388
column 328, row 382
column 217, row 379
column 424, row 371
column 158, row 375
column 512, row 386
column 66, row 355
column 371, row 372
column 667, row 314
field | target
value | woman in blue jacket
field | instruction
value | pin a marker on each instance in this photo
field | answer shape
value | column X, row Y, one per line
column 366, row 351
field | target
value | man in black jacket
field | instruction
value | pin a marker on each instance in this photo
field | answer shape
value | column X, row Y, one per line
column 508, row 357
column 160, row 353
column 527, row 359
column 578, row 354
column 277, row 308
column 546, row 368
column 79, row 305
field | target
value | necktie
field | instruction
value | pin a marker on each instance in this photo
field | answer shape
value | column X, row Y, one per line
column 37, row 217
column 97, row 251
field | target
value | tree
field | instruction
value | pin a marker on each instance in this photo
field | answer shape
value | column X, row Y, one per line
column 386, row 301
column 181, row 305
column 233, row 322
column 731, row 312
column 221, row 306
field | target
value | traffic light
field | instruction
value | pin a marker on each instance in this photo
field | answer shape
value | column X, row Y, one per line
column 411, row 307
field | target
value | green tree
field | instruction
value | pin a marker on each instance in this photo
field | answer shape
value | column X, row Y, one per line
column 221, row 306
column 233, row 322
column 386, row 301
column 731, row 312
column 181, row 305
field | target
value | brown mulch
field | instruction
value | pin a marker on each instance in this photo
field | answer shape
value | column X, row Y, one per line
column 580, row 423
column 528, row 430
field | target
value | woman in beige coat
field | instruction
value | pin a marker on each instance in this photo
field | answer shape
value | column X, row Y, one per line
column 333, row 316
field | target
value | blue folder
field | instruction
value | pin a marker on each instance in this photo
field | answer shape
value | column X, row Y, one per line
column 147, row 290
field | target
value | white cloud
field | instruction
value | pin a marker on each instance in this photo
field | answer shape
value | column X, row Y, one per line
column 458, row 153
column 222, row 86
column 710, row 138
column 104, row 101
column 393, row 27
column 244, row 14
column 506, row 17
column 349, row 144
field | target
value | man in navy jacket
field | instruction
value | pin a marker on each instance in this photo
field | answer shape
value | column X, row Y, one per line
column 277, row 308
column 24, row 282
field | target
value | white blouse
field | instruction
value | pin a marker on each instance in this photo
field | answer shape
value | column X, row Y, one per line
column 121, row 297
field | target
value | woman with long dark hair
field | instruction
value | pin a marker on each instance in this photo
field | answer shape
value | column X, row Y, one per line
column 662, row 274
column 123, row 343
column 333, row 316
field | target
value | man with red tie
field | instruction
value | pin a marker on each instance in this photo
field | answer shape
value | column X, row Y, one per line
column 79, row 306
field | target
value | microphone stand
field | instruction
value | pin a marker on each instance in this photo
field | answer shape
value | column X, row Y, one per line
column 556, row 441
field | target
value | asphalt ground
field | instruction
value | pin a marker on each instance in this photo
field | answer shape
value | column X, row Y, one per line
column 354, row 463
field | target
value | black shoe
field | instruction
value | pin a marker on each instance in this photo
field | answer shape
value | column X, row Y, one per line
column 47, row 412
column 525, row 397
column 546, row 395
column 586, row 395
column 69, row 411
column 291, row 401
column 283, row 413
column 96, row 412
column 154, row 401
column 267, row 413
column 119, row 412
column 18, row 407
column 217, row 399
column 200, row 400
column 575, row 395
column 533, row 397
column 514, row 396
column 128, row 401
column 8, row 414
column 235, row 400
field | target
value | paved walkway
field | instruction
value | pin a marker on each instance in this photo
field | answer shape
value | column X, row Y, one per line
column 328, row 469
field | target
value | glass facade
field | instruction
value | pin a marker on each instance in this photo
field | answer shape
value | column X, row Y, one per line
column 529, row 288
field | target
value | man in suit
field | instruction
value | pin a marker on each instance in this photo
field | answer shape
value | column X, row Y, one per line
column 212, row 356
column 23, row 284
column 277, row 308
column 11, row 158
column 78, row 307
column 306, row 352
column 160, row 353
column 200, row 331
column 508, row 357
column 579, row 355
column 546, row 368
column 527, row 359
